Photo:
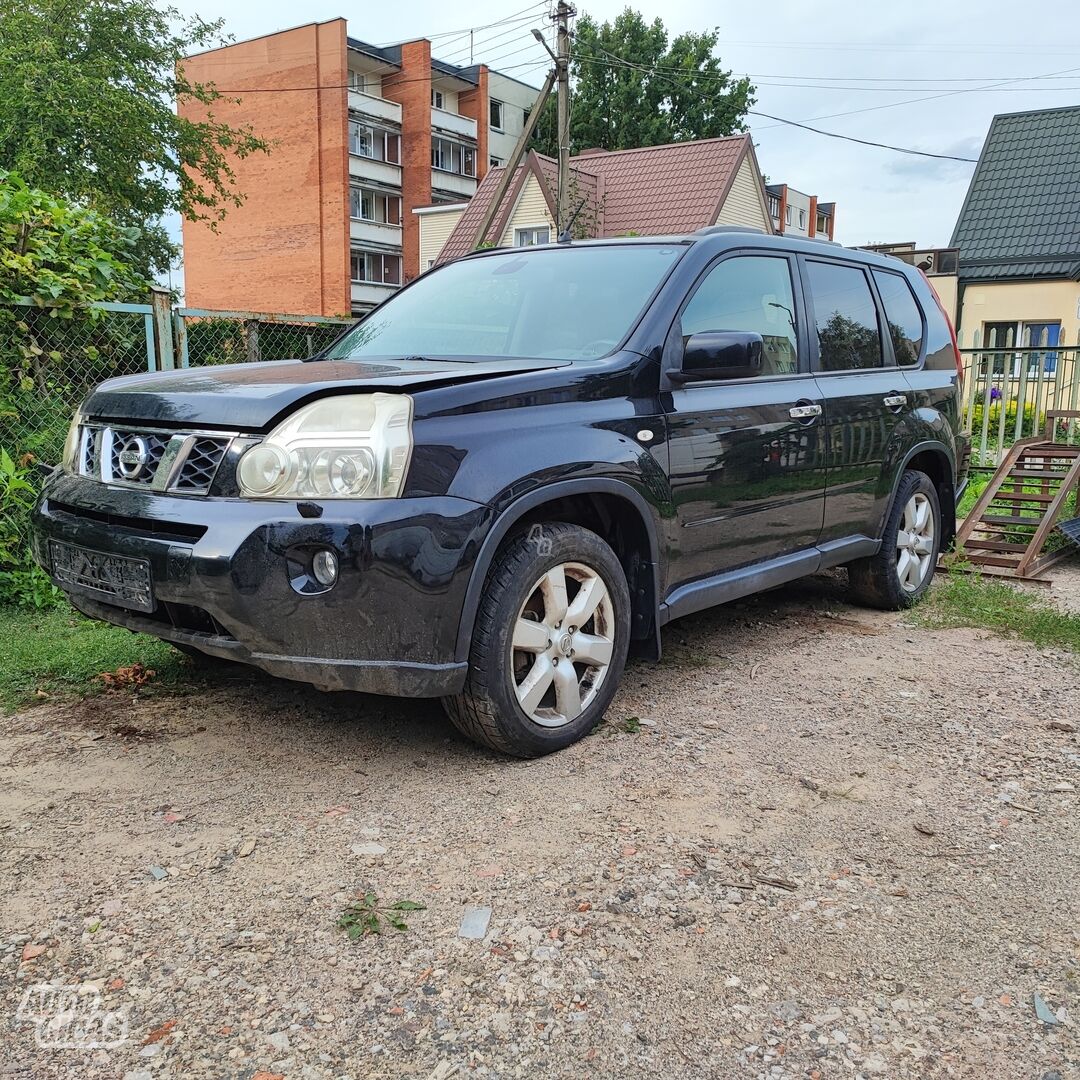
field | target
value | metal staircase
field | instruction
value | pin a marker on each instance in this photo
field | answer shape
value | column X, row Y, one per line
column 1008, row 527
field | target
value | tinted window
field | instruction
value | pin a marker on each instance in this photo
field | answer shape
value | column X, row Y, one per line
column 903, row 316
column 750, row 293
column 845, row 316
column 573, row 303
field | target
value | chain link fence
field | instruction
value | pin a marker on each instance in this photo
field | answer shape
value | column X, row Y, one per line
column 49, row 364
column 208, row 337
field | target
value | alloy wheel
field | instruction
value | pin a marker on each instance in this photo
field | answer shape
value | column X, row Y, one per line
column 915, row 543
column 562, row 644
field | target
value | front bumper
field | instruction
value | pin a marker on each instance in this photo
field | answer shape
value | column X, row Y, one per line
column 223, row 574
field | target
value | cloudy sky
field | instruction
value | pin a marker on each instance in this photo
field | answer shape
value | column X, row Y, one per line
column 924, row 74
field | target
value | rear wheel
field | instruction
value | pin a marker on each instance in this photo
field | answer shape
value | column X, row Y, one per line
column 549, row 644
column 899, row 575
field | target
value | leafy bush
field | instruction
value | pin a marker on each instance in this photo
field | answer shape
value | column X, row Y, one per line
column 1030, row 419
column 21, row 582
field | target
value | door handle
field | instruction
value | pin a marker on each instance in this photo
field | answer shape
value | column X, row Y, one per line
column 804, row 412
column 895, row 401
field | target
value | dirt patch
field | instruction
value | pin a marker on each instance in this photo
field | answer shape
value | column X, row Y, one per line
column 833, row 845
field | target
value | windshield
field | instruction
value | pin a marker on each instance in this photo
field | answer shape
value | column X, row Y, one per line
column 553, row 304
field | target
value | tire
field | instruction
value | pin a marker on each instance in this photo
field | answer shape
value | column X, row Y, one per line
column 877, row 581
column 517, row 700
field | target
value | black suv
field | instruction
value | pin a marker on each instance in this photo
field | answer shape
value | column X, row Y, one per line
column 513, row 473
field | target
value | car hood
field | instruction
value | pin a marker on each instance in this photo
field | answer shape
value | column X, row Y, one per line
column 248, row 397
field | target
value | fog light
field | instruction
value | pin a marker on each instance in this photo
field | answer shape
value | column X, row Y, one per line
column 324, row 567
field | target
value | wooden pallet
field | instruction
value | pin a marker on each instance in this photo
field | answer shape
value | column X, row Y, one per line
column 1007, row 529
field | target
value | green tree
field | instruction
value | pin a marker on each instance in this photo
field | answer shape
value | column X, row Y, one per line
column 632, row 86
column 61, row 256
column 87, row 95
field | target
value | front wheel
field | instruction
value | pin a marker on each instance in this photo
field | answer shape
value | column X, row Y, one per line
column 549, row 643
column 899, row 575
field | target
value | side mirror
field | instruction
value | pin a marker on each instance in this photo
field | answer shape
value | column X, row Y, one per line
column 721, row 354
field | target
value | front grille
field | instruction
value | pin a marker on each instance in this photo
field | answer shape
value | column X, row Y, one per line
column 202, row 461
column 181, row 462
column 135, row 456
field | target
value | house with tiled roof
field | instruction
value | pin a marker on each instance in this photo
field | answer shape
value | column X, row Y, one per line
column 650, row 191
column 1018, row 233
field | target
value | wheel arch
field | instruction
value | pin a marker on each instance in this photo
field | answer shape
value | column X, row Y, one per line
column 936, row 461
column 613, row 509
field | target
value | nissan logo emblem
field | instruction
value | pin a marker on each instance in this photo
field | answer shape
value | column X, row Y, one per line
column 133, row 457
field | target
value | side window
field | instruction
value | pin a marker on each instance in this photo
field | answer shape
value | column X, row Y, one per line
column 752, row 293
column 845, row 316
column 903, row 316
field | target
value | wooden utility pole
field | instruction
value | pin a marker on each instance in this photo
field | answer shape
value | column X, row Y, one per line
column 562, row 73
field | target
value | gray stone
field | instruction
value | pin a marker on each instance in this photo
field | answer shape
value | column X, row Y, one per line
column 474, row 923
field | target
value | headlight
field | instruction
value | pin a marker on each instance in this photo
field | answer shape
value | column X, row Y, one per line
column 351, row 447
column 70, row 462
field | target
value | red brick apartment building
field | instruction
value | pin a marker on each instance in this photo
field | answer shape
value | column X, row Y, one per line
column 360, row 136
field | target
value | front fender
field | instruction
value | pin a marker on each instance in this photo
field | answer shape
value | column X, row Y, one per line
column 634, row 494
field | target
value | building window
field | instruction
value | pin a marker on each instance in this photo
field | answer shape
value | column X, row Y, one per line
column 822, row 225
column 366, row 83
column 375, row 268
column 787, row 215
column 802, row 219
column 367, row 205
column 361, row 139
column 437, row 99
column 367, row 141
column 774, row 207
column 495, row 162
column 532, row 236
column 453, row 157
column 496, row 114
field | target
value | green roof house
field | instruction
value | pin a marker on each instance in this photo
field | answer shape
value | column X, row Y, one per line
column 1019, row 233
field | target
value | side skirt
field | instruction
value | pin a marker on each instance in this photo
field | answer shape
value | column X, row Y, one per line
column 746, row 580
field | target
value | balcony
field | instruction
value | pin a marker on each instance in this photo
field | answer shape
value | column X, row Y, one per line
column 375, row 233
column 368, row 294
column 453, row 124
column 453, row 183
column 377, row 107
column 383, row 172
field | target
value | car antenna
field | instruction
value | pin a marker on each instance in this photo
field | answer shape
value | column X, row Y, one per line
column 565, row 237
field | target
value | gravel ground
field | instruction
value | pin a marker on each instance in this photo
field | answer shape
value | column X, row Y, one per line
column 831, row 845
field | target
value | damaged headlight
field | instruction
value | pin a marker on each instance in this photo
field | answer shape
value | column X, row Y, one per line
column 355, row 446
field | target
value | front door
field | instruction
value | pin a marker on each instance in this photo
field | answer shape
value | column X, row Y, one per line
column 746, row 465
column 866, row 395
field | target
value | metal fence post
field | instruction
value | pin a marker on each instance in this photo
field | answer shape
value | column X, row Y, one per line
column 161, row 305
column 252, row 328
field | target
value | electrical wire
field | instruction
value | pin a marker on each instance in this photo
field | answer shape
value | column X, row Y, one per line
column 817, row 131
column 471, row 29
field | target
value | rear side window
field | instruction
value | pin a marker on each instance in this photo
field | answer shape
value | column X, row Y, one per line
column 751, row 293
column 845, row 316
column 903, row 316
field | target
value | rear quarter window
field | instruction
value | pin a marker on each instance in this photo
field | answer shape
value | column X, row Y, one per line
column 903, row 315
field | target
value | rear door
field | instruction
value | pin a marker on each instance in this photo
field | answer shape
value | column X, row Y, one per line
column 866, row 396
column 747, row 473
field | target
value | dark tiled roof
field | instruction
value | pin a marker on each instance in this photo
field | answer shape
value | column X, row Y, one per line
column 653, row 191
column 1021, row 217
column 665, row 190
column 390, row 54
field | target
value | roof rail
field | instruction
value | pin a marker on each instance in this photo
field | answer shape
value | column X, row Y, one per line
column 711, row 230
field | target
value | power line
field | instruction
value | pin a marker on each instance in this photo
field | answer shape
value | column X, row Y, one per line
column 818, row 131
column 472, row 29
column 907, row 89
column 476, row 44
column 864, row 142
column 348, row 86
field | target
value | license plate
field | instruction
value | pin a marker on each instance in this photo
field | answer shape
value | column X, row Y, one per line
column 115, row 579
